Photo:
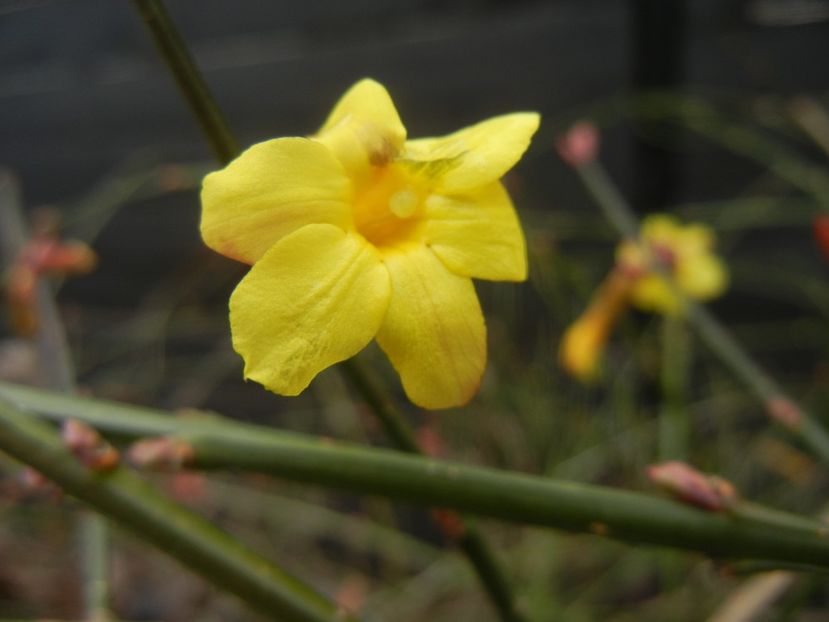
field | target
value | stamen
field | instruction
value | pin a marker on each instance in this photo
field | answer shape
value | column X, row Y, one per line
column 403, row 203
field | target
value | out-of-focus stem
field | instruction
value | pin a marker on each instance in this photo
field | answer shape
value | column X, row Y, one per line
column 738, row 137
column 674, row 425
column 394, row 424
column 95, row 541
column 188, row 77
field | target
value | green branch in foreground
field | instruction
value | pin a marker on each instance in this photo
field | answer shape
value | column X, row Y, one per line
column 124, row 498
column 782, row 408
column 747, row 531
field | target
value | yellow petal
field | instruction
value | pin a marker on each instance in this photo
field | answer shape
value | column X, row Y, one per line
column 652, row 293
column 364, row 128
column 434, row 331
column 632, row 255
column 582, row 346
column 584, row 341
column 660, row 228
column 474, row 156
column 477, row 234
column 316, row 298
column 701, row 277
column 269, row 191
column 695, row 238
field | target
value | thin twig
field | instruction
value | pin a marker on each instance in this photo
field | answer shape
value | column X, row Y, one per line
column 189, row 78
column 674, row 423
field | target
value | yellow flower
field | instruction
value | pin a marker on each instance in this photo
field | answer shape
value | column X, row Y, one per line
column 685, row 251
column 583, row 343
column 357, row 233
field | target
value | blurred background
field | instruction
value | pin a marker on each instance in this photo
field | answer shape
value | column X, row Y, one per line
column 714, row 110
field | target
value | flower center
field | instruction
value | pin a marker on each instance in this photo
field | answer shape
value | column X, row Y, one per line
column 388, row 206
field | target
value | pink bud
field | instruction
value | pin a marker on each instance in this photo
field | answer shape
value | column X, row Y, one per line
column 89, row 447
column 785, row 412
column 684, row 482
column 580, row 145
column 163, row 453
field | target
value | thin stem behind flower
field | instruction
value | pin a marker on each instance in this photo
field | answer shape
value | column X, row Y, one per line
column 189, row 79
column 674, row 423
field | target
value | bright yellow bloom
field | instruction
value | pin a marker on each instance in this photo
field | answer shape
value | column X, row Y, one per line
column 685, row 251
column 357, row 233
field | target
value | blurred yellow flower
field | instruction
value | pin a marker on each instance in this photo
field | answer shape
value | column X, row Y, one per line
column 584, row 340
column 356, row 233
column 685, row 252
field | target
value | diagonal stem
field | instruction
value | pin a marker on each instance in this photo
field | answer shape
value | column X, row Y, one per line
column 189, row 79
column 131, row 503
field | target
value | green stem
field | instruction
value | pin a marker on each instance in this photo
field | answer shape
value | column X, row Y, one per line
column 674, row 424
column 780, row 406
column 784, row 163
column 128, row 501
column 396, row 427
column 113, row 418
column 215, row 127
column 735, row 136
column 752, row 532
column 95, row 540
column 489, row 571
column 748, row 531
column 188, row 77
column 470, row 541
